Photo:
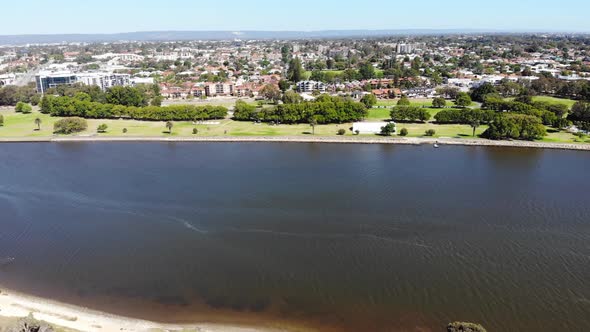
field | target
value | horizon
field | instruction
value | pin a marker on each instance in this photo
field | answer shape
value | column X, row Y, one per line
column 303, row 16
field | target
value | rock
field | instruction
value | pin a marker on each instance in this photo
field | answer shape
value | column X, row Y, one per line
column 30, row 325
column 465, row 327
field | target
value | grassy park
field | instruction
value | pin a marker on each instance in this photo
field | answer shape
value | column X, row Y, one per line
column 18, row 125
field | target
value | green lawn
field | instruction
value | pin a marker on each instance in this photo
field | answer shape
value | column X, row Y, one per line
column 18, row 125
column 568, row 102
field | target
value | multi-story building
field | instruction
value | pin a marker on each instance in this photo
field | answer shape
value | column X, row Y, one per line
column 219, row 89
column 311, row 86
column 48, row 80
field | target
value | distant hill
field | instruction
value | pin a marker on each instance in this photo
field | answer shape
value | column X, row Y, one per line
column 215, row 35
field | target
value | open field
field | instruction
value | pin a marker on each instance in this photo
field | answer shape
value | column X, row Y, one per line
column 568, row 102
column 18, row 125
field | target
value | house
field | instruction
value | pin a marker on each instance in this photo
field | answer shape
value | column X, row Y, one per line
column 387, row 93
column 370, row 127
column 311, row 86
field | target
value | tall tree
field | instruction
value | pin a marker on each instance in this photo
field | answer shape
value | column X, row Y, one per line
column 38, row 123
column 295, row 71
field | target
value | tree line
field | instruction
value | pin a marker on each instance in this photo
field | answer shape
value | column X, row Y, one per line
column 325, row 109
column 81, row 106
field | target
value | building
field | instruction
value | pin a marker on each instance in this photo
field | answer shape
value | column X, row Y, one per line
column 47, row 80
column 7, row 79
column 370, row 127
column 219, row 89
column 311, row 86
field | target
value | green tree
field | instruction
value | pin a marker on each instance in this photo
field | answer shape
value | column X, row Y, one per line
column 403, row 101
column 479, row 93
column 403, row 132
column 70, row 125
column 367, row 71
column 284, row 85
column 292, row 97
column 1, row 120
column 474, row 124
column 369, row 100
column 313, row 122
column 463, row 100
column 388, row 129
column 102, row 128
column 271, row 92
column 439, row 102
column 430, row 132
column 169, row 125
column 38, row 123
column 295, row 71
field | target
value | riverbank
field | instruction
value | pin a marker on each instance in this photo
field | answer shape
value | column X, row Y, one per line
column 309, row 139
column 16, row 305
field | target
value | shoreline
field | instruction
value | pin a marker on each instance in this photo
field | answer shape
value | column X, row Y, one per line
column 17, row 305
column 298, row 139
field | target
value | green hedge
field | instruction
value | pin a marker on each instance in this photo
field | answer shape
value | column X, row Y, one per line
column 68, row 106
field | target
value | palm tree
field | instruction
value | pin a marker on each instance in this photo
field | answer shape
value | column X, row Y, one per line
column 38, row 123
column 474, row 124
column 169, row 125
column 313, row 122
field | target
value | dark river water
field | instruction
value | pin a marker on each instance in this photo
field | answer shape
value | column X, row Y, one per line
column 331, row 237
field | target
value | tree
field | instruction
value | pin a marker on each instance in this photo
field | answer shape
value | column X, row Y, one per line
column 341, row 132
column 313, row 122
column 284, row 85
column 295, row 71
column 515, row 126
column 403, row 101
column 430, row 132
column 102, row 128
column 38, row 123
column 474, row 124
column 403, row 132
column 463, row 100
column 271, row 92
column 292, row 97
column 367, row 71
column 369, row 100
column 169, row 125
column 439, row 102
column 479, row 93
column 70, row 125
column 23, row 108
column 388, row 129
column 1, row 120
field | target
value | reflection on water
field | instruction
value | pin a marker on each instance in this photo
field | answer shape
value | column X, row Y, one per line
column 340, row 237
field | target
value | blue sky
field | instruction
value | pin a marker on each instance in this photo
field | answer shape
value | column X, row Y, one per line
column 109, row 16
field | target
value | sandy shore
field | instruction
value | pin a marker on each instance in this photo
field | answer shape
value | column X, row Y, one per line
column 312, row 139
column 17, row 305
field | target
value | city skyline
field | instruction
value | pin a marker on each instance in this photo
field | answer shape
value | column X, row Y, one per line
column 259, row 15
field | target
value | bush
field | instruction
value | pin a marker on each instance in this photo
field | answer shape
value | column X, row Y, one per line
column 430, row 132
column 409, row 114
column 23, row 108
column 1, row 120
column 515, row 126
column 102, row 128
column 341, row 132
column 388, row 130
column 195, row 131
column 70, row 125
column 124, row 130
column 403, row 132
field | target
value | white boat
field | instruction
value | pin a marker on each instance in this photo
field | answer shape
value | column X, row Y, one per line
column 436, row 145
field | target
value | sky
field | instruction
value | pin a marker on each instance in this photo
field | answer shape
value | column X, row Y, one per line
column 112, row 16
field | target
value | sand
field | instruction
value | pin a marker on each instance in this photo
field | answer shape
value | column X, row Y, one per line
column 13, row 304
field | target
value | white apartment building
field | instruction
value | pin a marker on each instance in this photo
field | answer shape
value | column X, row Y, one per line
column 311, row 86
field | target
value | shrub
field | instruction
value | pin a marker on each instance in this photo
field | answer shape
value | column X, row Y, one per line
column 341, row 132
column 195, row 131
column 403, row 132
column 357, row 132
column 430, row 132
column 388, row 130
column 124, row 130
column 70, row 126
column 102, row 128
column 1, row 120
